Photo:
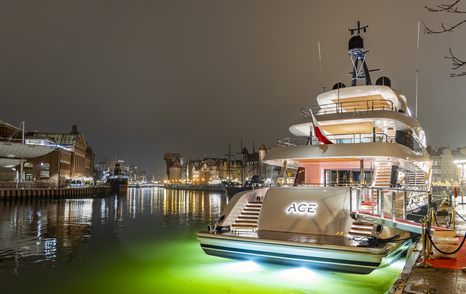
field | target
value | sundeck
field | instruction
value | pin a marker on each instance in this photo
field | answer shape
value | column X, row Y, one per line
column 361, row 175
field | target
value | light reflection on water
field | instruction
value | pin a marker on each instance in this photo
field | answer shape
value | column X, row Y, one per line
column 35, row 233
column 141, row 243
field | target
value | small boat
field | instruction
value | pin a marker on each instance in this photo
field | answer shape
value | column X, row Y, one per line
column 118, row 181
column 362, row 172
column 254, row 183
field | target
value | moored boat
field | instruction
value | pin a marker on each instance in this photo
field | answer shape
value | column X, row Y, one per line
column 362, row 172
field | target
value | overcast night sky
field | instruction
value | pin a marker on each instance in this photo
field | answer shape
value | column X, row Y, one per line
column 141, row 78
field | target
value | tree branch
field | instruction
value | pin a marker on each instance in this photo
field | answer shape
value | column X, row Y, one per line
column 444, row 28
column 456, row 63
column 446, row 8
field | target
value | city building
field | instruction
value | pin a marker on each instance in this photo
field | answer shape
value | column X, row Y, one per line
column 215, row 169
column 174, row 163
column 448, row 166
column 73, row 159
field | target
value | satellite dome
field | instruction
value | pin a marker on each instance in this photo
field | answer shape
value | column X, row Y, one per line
column 338, row 86
column 383, row 81
column 356, row 42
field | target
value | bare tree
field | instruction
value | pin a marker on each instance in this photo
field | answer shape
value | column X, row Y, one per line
column 453, row 8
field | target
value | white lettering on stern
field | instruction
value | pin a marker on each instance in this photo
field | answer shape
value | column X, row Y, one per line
column 302, row 208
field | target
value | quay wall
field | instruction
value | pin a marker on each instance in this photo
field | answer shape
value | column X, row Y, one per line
column 209, row 188
column 54, row 193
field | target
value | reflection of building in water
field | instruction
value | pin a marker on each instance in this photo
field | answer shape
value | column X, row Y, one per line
column 182, row 205
column 59, row 226
column 203, row 205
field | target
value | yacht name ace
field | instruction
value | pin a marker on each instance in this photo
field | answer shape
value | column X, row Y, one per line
column 302, row 208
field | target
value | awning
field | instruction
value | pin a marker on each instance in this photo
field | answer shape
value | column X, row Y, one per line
column 9, row 162
column 23, row 151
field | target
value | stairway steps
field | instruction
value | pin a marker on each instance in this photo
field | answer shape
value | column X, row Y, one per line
column 244, row 225
column 250, row 213
column 245, row 222
column 359, row 233
column 254, row 205
column 248, row 217
column 362, row 227
column 361, row 223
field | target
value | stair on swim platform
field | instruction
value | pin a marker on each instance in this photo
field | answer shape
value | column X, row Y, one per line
column 248, row 218
column 360, row 228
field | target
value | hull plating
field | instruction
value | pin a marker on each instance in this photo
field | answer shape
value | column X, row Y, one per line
column 331, row 258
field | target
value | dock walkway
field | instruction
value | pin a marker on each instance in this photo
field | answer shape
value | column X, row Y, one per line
column 53, row 193
column 445, row 275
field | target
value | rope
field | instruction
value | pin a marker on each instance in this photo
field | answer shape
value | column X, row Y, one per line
column 460, row 216
column 448, row 223
column 443, row 252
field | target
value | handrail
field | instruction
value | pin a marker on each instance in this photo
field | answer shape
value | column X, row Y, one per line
column 385, row 209
column 410, row 188
column 337, row 139
column 349, row 106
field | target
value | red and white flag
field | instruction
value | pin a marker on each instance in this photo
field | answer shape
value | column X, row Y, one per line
column 320, row 136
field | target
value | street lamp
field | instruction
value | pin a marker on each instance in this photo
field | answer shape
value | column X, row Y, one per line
column 460, row 164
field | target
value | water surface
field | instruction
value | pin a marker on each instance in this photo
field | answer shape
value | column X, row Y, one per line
column 143, row 242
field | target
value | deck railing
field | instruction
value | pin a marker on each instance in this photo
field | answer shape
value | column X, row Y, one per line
column 337, row 139
column 393, row 207
column 349, row 106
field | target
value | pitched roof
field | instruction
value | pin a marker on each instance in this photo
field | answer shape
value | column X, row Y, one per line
column 59, row 138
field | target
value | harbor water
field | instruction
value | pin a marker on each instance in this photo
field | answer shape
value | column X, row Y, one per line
column 143, row 242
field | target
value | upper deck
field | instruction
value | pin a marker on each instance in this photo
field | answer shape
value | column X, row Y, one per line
column 359, row 98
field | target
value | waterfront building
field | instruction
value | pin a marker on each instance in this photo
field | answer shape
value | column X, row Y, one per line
column 15, row 150
column 73, row 159
column 448, row 166
column 215, row 169
column 174, row 163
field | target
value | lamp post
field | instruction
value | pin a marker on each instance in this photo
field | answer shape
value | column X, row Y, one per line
column 460, row 164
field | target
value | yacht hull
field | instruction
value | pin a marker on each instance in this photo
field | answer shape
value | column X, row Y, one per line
column 360, row 260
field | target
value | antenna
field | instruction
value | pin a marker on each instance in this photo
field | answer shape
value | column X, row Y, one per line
column 358, row 29
column 417, row 66
column 320, row 68
column 358, row 56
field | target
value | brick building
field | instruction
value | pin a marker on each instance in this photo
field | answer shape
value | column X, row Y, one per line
column 73, row 159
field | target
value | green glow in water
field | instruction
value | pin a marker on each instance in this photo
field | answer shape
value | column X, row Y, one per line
column 180, row 266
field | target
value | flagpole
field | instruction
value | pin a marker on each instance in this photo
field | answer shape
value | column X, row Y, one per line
column 417, row 67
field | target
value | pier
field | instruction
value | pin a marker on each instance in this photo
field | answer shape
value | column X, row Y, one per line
column 53, row 193
column 438, row 274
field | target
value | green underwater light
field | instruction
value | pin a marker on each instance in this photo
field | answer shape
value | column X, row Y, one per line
column 180, row 266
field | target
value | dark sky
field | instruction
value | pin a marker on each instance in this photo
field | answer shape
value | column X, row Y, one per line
column 141, row 78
